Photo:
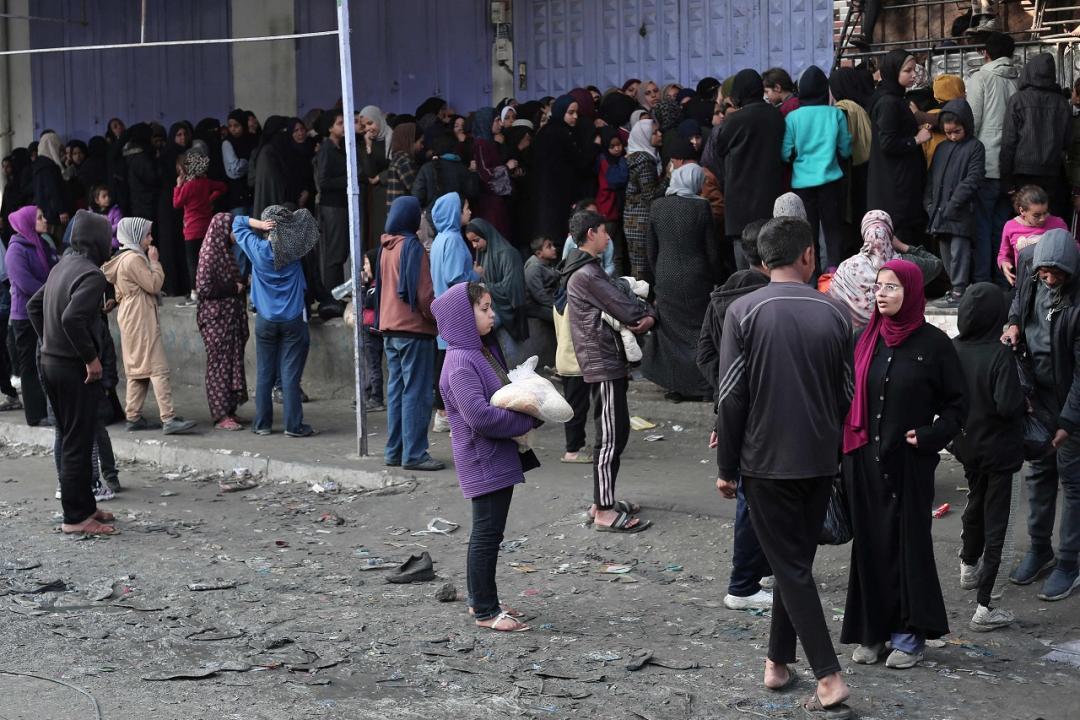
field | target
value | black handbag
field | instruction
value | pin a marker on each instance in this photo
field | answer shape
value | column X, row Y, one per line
column 1038, row 424
column 837, row 527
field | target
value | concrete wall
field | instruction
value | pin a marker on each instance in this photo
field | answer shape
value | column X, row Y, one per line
column 264, row 74
column 19, row 110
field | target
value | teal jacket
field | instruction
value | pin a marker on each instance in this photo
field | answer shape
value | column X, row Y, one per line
column 816, row 138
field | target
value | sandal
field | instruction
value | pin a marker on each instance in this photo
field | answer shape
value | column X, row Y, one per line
column 622, row 524
column 580, row 458
column 792, row 678
column 504, row 622
column 228, row 423
column 90, row 527
column 630, row 508
column 837, row 711
column 506, row 610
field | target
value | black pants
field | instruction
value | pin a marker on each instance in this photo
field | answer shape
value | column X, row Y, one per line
column 102, row 459
column 334, row 250
column 76, row 406
column 824, row 205
column 5, row 363
column 192, row 247
column 612, row 432
column 576, row 391
column 33, row 394
column 440, row 358
column 488, row 525
column 787, row 516
column 986, row 525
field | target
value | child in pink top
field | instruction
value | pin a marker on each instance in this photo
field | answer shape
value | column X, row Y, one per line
column 1032, row 220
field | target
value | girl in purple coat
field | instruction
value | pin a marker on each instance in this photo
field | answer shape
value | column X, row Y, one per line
column 485, row 453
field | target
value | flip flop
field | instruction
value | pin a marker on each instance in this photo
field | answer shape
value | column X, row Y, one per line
column 501, row 617
column 620, row 525
column 791, row 680
column 630, row 508
column 837, row 711
column 581, row 459
column 91, row 528
column 104, row 517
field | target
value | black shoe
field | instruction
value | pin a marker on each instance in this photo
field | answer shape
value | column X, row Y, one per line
column 177, row 426
column 142, row 424
column 418, row 568
column 1033, row 565
column 428, row 464
column 303, row 432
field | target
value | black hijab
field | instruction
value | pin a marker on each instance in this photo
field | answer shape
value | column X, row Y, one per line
column 890, row 77
column 747, row 88
column 855, row 84
column 813, row 87
column 245, row 143
column 617, row 108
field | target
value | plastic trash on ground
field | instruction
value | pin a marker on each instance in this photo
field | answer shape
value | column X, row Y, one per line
column 533, row 395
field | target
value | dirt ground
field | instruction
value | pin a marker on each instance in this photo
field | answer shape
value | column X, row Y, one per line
column 299, row 630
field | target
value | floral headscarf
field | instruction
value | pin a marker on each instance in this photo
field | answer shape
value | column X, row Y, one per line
column 852, row 280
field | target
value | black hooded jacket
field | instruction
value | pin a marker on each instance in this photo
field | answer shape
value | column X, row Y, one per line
column 955, row 174
column 66, row 311
column 992, row 440
column 747, row 152
column 1038, row 123
column 740, row 283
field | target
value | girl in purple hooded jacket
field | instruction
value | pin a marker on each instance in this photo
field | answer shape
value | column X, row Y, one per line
column 485, row 453
column 29, row 258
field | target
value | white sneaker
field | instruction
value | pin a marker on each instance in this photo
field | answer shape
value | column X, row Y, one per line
column 761, row 600
column 103, row 493
column 986, row 619
column 768, row 582
column 441, row 423
column 900, row 660
column 57, row 496
column 868, row 654
column 969, row 576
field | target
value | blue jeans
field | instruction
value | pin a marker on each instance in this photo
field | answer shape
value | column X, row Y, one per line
column 991, row 213
column 910, row 643
column 410, row 363
column 748, row 562
column 281, row 349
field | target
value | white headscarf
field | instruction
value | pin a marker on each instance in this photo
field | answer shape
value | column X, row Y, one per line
column 49, row 146
column 686, row 181
column 507, row 110
column 635, row 116
column 130, row 233
column 374, row 114
column 641, row 139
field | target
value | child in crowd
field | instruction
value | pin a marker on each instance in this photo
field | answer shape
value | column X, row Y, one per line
column 195, row 195
column 101, row 203
column 541, row 280
column 1032, row 220
column 956, row 171
column 780, row 90
column 373, row 345
column 608, row 258
column 991, row 446
column 612, row 175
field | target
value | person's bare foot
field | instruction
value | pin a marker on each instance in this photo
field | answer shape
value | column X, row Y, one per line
column 832, row 689
column 102, row 516
column 607, row 518
column 89, row 526
column 503, row 622
column 777, row 675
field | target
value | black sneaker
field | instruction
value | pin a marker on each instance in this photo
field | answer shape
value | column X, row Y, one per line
column 177, row 425
column 428, row 464
column 303, row 432
column 142, row 424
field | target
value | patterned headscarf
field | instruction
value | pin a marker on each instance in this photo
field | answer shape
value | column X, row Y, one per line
column 668, row 114
column 852, row 280
column 217, row 264
column 789, row 205
column 293, row 236
column 196, row 164
column 130, row 233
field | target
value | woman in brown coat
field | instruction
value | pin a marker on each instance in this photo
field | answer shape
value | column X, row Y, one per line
column 137, row 276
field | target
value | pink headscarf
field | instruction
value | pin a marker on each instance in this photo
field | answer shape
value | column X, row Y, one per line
column 23, row 222
column 894, row 330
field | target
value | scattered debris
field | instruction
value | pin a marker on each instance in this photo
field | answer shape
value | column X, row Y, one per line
column 438, row 526
column 653, row 438
column 446, row 593
column 212, row 585
column 329, row 518
column 640, row 423
column 509, row 546
column 1068, row 653
column 418, row 568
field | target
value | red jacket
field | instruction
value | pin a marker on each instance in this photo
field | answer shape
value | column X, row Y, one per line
column 196, row 197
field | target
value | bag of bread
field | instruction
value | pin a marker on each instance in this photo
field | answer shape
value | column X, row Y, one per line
column 533, row 395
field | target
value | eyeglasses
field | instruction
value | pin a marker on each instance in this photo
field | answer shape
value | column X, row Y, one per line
column 886, row 289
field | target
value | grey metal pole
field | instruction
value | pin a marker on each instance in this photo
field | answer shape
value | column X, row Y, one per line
column 355, row 220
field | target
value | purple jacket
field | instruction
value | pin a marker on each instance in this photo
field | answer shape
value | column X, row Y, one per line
column 485, row 455
column 28, row 261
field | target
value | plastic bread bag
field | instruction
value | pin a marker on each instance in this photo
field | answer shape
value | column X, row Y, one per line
column 533, row 395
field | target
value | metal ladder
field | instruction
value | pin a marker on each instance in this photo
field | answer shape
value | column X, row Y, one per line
column 851, row 21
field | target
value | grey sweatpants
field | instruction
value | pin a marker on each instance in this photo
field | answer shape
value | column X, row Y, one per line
column 956, row 255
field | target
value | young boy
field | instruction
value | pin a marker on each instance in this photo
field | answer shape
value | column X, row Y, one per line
column 991, row 446
column 591, row 293
column 958, row 168
column 541, row 279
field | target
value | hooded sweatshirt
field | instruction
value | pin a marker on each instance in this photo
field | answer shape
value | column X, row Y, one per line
column 451, row 261
column 740, row 283
column 66, row 310
column 816, row 134
column 988, row 91
column 396, row 317
column 946, row 88
column 992, row 439
column 485, row 455
column 955, row 174
column 28, row 260
column 1038, row 123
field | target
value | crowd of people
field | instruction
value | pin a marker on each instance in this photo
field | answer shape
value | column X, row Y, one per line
column 718, row 236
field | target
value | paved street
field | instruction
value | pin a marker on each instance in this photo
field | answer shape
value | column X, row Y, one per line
column 301, row 631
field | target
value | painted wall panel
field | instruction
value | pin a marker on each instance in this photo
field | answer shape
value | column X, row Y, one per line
column 76, row 93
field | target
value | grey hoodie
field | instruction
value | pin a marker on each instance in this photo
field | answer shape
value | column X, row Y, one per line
column 987, row 92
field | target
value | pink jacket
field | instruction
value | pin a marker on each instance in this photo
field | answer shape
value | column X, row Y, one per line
column 1014, row 231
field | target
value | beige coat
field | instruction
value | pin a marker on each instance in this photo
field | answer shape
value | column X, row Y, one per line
column 137, row 286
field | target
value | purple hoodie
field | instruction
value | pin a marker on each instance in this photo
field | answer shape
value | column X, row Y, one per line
column 485, row 455
column 28, row 260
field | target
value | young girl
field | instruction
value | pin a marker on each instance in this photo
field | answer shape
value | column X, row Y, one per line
column 611, row 175
column 101, row 203
column 1032, row 219
column 195, row 194
column 485, row 453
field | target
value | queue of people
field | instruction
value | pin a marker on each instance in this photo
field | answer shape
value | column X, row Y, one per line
column 720, row 236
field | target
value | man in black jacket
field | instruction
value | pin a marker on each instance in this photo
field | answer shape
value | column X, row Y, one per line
column 991, row 447
column 1045, row 320
column 748, row 153
column 748, row 562
column 780, row 433
column 66, row 314
column 1037, row 132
